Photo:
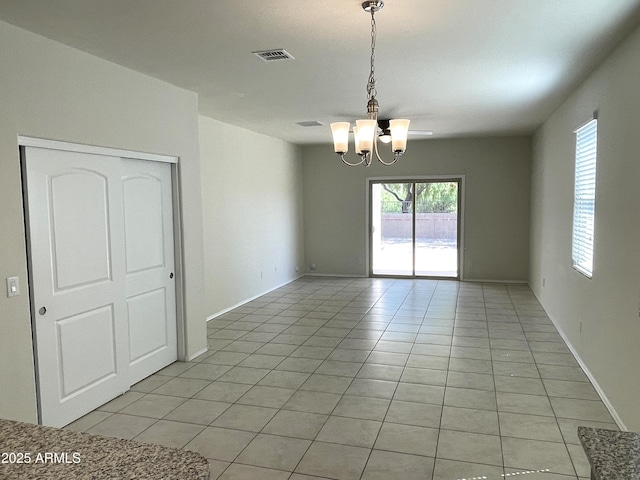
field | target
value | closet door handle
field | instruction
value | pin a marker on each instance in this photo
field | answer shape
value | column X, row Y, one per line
column 42, row 310
column 171, row 275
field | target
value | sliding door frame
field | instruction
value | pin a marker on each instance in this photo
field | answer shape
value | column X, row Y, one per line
column 370, row 181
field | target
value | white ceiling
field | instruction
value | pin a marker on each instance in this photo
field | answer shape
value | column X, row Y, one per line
column 457, row 67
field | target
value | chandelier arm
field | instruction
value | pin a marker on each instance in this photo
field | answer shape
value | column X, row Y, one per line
column 362, row 160
column 396, row 155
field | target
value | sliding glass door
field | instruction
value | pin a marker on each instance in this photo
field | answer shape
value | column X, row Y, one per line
column 415, row 228
column 392, row 229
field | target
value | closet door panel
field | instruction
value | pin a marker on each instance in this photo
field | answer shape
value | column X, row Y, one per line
column 77, row 269
column 150, row 276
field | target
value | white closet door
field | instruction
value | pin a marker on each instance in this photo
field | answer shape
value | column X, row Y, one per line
column 77, row 257
column 150, row 282
column 103, row 283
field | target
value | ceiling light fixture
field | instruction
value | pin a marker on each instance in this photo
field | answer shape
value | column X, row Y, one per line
column 368, row 131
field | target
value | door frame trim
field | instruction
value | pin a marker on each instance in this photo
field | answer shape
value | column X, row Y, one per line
column 26, row 141
column 416, row 178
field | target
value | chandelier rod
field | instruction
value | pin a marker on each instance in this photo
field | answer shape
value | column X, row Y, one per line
column 371, row 84
column 372, row 108
column 371, row 93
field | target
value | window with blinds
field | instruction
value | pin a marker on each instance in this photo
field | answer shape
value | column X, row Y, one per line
column 584, row 198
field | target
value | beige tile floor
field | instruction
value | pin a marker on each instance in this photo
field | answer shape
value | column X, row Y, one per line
column 372, row 379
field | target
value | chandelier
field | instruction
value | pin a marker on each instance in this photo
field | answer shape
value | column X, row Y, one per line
column 367, row 132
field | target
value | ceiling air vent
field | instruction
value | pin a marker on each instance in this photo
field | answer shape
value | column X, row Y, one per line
column 310, row 123
column 274, row 55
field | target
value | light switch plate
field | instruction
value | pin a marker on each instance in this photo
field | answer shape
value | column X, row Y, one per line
column 13, row 287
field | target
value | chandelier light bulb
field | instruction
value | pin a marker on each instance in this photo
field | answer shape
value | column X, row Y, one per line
column 366, row 133
column 356, row 141
column 399, row 129
column 340, row 132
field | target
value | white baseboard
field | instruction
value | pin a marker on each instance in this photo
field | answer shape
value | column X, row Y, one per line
column 596, row 386
column 247, row 300
column 470, row 280
column 338, row 275
column 197, row 354
column 480, row 280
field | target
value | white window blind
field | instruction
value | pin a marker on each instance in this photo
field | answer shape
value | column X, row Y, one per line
column 584, row 199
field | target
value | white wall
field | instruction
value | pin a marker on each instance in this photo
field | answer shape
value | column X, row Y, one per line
column 606, row 305
column 49, row 90
column 496, row 229
column 252, row 205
